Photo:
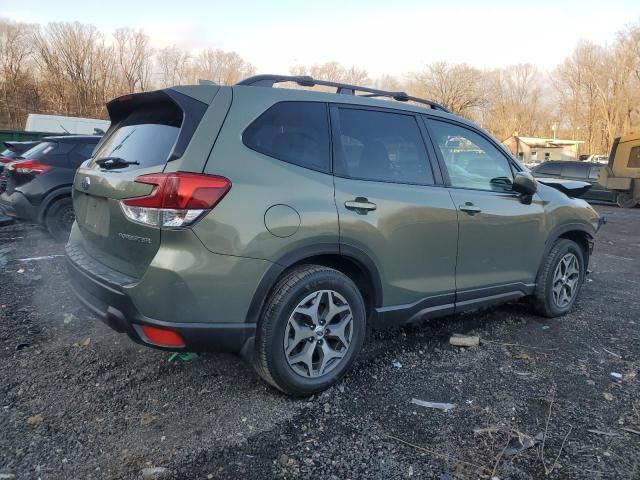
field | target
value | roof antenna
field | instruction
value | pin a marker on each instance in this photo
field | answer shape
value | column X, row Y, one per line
column 68, row 132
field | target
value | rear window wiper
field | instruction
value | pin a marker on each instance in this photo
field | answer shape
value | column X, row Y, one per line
column 114, row 162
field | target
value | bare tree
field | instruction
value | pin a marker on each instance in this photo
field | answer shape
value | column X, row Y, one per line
column 222, row 67
column 174, row 66
column 456, row 87
column 18, row 86
column 134, row 59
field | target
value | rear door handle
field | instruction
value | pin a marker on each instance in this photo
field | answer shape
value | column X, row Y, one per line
column 360, row 205
column 470, row 208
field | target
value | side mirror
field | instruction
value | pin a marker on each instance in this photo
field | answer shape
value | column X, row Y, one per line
column 525, row 184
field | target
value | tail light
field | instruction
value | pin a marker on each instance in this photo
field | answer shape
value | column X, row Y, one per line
column 162, row 337
column 29, row 166
column 177, row 199
column 6, row 159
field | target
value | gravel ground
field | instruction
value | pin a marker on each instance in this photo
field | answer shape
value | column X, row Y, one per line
column 80, row 401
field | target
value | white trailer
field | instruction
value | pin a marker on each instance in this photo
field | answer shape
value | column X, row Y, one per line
column 37, row 122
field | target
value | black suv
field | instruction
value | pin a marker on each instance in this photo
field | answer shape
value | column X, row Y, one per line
column 14, row 150
column 576, row 170
column 37, row 186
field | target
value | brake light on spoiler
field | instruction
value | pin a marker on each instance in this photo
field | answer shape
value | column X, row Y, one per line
column 177, row 199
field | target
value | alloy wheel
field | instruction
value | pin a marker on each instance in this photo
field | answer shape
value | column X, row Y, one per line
column 566, row 278
column 318, row 333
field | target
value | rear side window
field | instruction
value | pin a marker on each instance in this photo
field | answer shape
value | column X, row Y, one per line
column 574, row 171
column 634, row 157
column 380, row 146
column 146, row 135
column 550, row 168
column 294, row 132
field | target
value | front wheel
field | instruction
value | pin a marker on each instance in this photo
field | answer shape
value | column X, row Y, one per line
column 560, row 279
column 625, row 200
column 59, row 219
column 311, row 332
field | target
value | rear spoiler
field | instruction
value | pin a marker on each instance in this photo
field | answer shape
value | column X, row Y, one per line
column 571, row 188
column 191, row 109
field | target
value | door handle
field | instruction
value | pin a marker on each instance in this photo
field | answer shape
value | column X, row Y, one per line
column 360, row 205
column 470, row 208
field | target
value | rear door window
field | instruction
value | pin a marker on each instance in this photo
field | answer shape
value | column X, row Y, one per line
column 574, row 170
column 146, row 135
column 294, row 132
column 380, row 146
column 549, row 168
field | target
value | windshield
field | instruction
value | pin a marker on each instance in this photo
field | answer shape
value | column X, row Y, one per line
column 145, row 137
column 39, row 151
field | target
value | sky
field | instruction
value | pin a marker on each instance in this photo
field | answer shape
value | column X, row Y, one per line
column 392, row 36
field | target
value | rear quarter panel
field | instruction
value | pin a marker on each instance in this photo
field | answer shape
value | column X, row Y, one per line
column 236, row 226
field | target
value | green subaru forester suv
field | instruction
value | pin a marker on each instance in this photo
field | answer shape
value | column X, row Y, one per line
column 284, row 223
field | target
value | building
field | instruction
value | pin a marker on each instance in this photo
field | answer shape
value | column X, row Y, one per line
column 536, row 150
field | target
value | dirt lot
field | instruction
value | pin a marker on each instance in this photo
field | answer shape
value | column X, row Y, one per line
column 80, row 401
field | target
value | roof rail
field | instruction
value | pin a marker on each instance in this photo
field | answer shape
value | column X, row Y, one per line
column 341, row 88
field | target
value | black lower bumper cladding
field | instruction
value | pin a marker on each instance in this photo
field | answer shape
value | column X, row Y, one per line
column 111, row 305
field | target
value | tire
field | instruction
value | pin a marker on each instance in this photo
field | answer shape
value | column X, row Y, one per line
column 284, row 336
column 59, row 218
column 625, row 200
column 554, row 282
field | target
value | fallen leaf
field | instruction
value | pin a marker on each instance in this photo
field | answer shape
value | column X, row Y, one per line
column 68, row 318
column 146, row 419
column 85, row 342
column 522, row 356
column 607, row 396
column 35, row 419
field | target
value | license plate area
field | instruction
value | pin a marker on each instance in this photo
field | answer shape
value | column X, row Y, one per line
column 96, row 215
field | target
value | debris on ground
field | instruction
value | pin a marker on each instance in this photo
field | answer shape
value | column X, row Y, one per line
column 522, row 442
column 4, row 255
column 396, row 364
column 440, row 406
column 183, row 356
column 459, row 340
column 34, row 259
column 68, row 318
column 616, row 375
column 631, row 430
column 600, row 432
column 35, row 420
column 156, row 473
column 607, row 396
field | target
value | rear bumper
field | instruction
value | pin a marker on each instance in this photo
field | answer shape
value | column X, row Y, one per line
column 18, row 206
column 109, row 302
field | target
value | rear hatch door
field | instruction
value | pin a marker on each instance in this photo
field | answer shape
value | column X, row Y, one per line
column 147, row 131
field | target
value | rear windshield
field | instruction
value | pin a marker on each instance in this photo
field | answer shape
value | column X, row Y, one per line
column 39, row 151
column 147, row 136
column 8, row 153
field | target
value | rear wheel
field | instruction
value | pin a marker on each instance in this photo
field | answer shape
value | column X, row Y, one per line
column 560, row 279
column 625, row 200
column 59, row 219
column 312, row 329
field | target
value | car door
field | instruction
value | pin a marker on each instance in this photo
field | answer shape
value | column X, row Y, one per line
column 391, row 208
column 501, row 236
column 597, row 191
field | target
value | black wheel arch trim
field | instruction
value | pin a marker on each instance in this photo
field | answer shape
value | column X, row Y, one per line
column 52, row 197
column 562, row 229
column 298, row 255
